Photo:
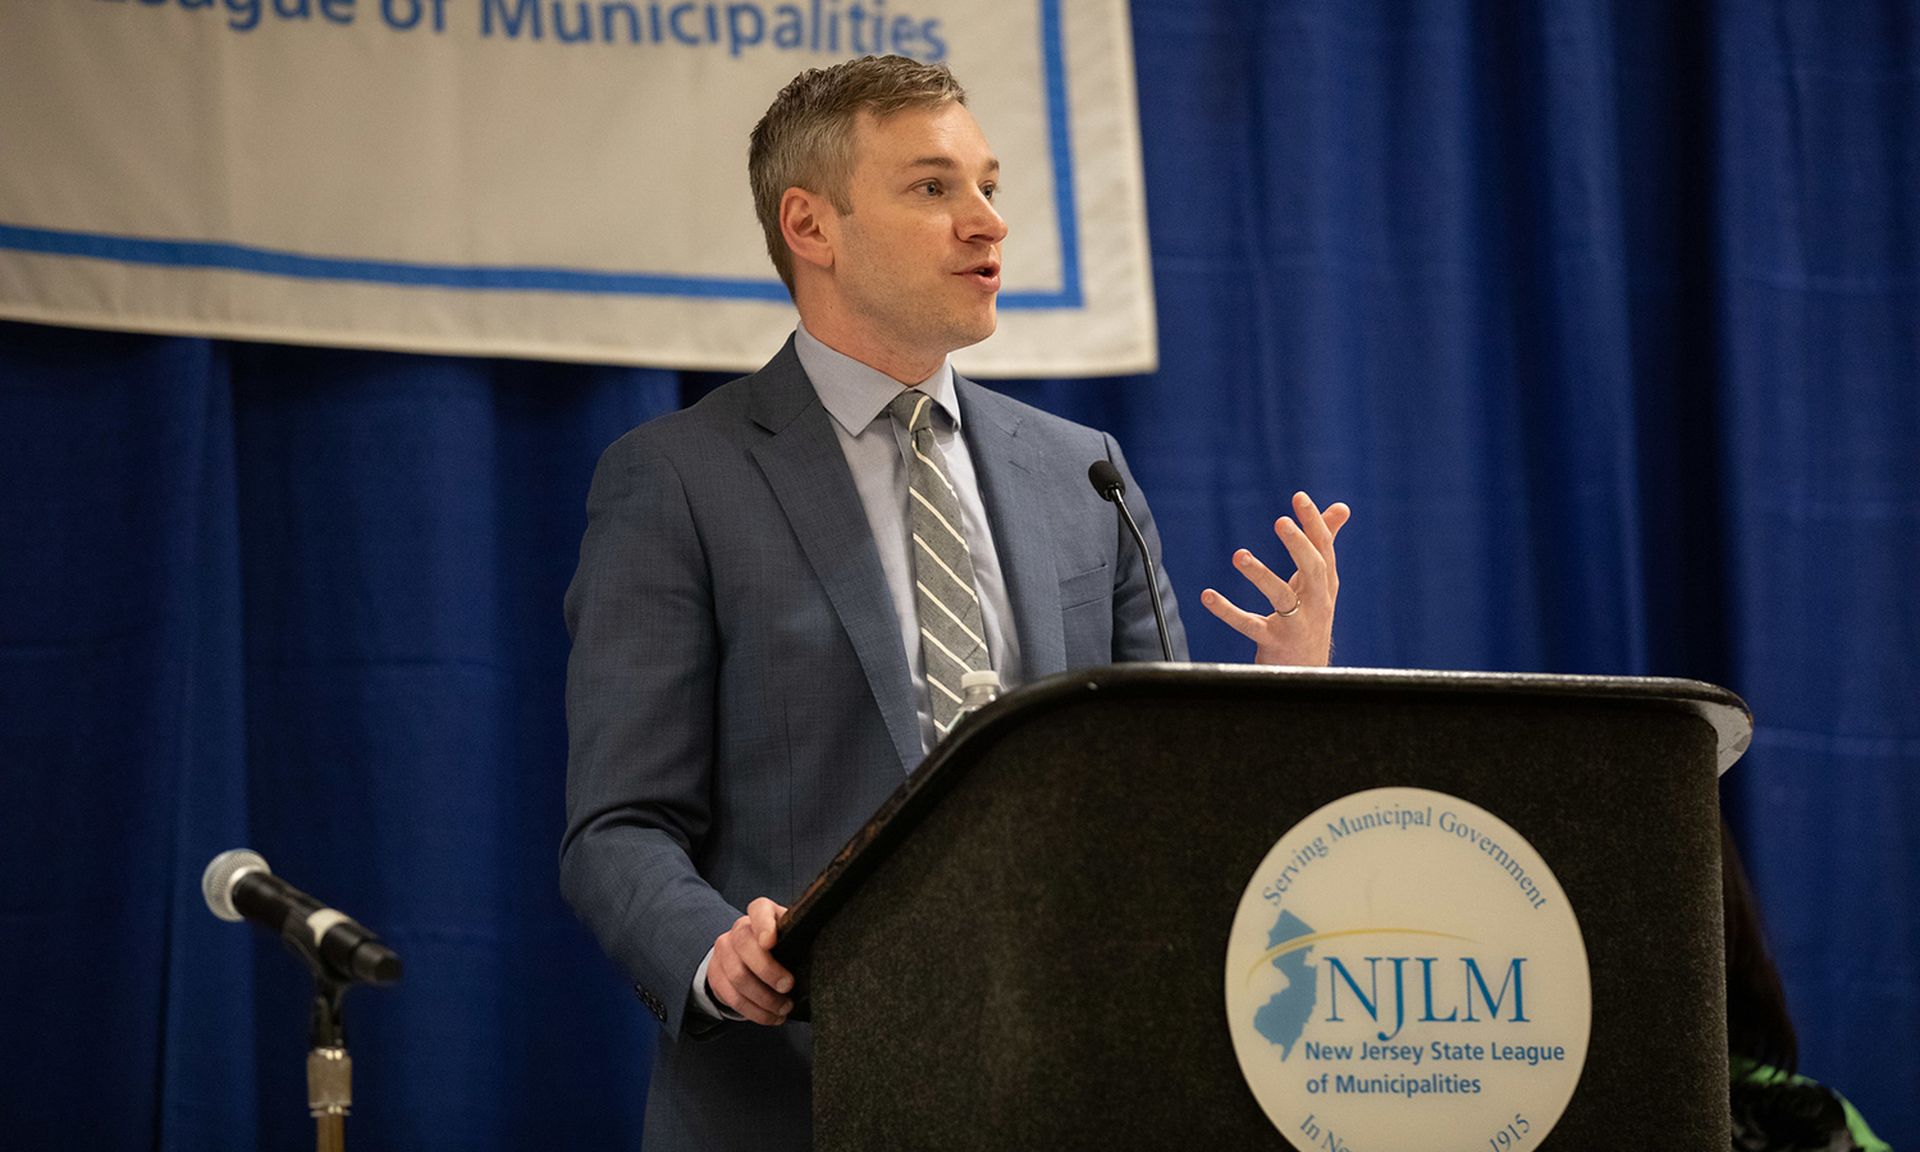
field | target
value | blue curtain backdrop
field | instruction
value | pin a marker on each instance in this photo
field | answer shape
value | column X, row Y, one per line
column 1606, row 320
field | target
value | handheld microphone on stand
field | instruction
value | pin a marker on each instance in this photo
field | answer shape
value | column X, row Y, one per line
column 238, row 885
column 1106, row 480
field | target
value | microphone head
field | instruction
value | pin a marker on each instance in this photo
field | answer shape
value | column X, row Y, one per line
column 1105, row 479
column 223, row 872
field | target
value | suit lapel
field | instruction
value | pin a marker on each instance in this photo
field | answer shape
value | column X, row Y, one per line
column 1022, row 525
column 807, row 470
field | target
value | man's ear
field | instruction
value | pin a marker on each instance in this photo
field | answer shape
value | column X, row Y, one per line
column 810, row 225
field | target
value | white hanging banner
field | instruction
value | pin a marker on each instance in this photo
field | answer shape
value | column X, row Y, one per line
column 558, row 179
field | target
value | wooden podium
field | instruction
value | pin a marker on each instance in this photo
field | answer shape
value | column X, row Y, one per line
column 1023, row 949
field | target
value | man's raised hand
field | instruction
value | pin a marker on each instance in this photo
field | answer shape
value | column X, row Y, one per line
column 1299, row 630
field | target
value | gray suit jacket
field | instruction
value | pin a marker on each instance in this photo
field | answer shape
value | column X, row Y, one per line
column 738, row 702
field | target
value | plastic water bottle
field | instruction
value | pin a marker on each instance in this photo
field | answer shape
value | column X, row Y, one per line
column 977, row 690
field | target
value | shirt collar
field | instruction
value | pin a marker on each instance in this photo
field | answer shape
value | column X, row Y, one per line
column 855, row 394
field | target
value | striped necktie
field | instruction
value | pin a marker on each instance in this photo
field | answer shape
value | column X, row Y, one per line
column 952, row 638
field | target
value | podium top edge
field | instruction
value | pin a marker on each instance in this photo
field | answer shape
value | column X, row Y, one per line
column 1731, row 720
column 1721, row 709
column 1729, row 715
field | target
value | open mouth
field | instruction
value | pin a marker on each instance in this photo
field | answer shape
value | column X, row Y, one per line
column 986, row 272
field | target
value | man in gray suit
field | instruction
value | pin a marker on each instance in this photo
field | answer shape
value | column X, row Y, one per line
column 781, row 587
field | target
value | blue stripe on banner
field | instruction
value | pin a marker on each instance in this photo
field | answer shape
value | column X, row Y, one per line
column 483, row 278
column 1060, row 137
column 271, row 262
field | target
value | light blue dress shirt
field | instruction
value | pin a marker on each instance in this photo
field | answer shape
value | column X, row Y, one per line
column 878, row 449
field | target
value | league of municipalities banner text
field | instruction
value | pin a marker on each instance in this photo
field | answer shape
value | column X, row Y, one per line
column 557, row 179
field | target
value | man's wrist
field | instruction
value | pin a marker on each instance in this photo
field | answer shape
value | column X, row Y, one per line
column 703, row 999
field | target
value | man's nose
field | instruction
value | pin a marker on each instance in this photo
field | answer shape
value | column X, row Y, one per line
column 982, row 221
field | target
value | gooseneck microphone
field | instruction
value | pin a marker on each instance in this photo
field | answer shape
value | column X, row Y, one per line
column 238, row 885
column 1106, row 480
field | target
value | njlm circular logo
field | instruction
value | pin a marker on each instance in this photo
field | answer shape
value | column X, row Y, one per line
column 1405, row 974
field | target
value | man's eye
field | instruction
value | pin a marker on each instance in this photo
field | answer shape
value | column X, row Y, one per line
column 989, row 190
column 931, row 187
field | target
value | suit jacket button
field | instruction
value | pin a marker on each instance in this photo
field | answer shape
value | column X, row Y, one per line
column 652, row 1002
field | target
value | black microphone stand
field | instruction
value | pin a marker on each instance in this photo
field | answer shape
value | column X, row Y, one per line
column 329, row 1068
